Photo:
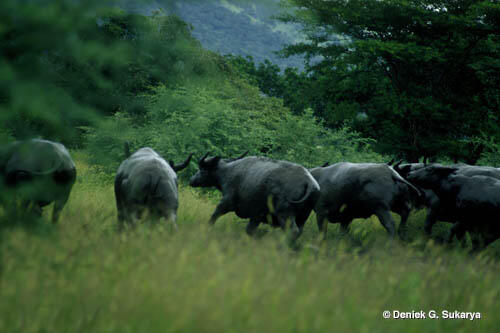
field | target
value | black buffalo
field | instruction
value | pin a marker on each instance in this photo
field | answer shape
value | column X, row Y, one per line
column 470, row 201
column 440, row 208
column 38, row 172
column 359, row 190
column 146, row 181
column 258, row 188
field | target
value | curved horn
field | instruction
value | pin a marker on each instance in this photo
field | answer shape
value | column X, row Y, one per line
column 126, row 147
column 237, row 158
column 183, row 165
column 397, row 164
column 242, row 155
column 201, row 160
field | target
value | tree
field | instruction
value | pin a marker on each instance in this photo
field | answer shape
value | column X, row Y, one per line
column 54, row 67
column 65, row 63
column 420, row 76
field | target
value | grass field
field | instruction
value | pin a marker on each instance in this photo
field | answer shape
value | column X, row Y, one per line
column 84, row 276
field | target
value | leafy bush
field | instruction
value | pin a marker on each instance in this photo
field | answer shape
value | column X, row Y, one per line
column 225, row 121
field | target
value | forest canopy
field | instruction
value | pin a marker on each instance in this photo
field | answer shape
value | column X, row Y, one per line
column 409, row 79
column 94, row 77
column 420, row 77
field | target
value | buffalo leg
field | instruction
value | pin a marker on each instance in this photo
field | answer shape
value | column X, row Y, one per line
column 252, row 226
column 458, row 229
column 56, row 212
column 172, row 217
column 166, row 212
column 296, row 231
column 222, row 208
column 322, row 223
column 32, row 207
column 345, row 219
column 430, row 221
column 402, row 225
column 293, row 226
column 120, row 209
column 58, row 206
column 301, row 219
column 344, row 227
column 386, row 219
column 119, row 203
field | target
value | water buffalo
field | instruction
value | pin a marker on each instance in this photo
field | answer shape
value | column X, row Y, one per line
column 146, row 181
column 441, row 209
column 359, row 190
column 467, row 200
column 258, row 187
column 461, row 169
column 38, row 172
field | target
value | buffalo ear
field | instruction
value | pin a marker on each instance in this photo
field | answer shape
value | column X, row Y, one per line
column 214, row 161
column 391, row 162
column 201, row 161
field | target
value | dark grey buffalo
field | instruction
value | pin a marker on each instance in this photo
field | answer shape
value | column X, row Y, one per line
column 461, row 169
column 428, row 199
column 440, row 208
column 146, row 181
column 258, row 187
column 38, row 172
column 469, row 200
column 359, row 190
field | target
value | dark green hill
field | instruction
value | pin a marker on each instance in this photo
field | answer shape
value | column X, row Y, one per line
column 237, row 27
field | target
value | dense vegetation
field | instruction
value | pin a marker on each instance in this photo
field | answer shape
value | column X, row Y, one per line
column 93, row 76
column 421, row 77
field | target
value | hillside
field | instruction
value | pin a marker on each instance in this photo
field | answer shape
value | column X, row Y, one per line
column 235, row 27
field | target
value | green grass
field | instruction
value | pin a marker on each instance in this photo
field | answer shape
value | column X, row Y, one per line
column 84, row 276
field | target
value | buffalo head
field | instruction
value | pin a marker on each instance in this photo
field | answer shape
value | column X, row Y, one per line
column 206, row 176
column 429, row 176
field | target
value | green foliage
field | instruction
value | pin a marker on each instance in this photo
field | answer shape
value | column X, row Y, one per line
column 491, row 151
column 65, row 62
column 289, row 85
column 424, row 76
column 52, row 66
column 225, row 121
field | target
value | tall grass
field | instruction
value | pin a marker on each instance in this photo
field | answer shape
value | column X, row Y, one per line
column 84, row 276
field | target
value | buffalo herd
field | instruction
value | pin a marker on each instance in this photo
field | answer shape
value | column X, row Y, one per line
column 279, row 193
